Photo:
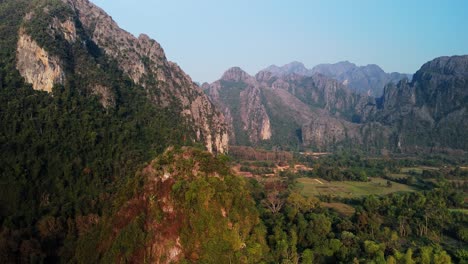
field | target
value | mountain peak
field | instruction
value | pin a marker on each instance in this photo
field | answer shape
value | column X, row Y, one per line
column 345, row 63
column 294, row 67
column 294, row 64
column 373, row 67
column 235, row 74
column 368, row 79
column 334, row 69
column 137, row 58
column 454, row 65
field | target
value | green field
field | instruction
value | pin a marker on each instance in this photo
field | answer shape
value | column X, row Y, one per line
column 341, row 208
column 406, row 172
column 417, row 170
column 398, row 175
column 350, row 189
column 465, row 211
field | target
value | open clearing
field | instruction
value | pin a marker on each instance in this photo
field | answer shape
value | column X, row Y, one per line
column 398, row 175
column 341, row 208
column 464, row 211
column 406, row 172
column 350, row 189
column 417, row 170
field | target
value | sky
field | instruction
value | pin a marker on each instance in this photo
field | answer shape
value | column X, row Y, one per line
column 206, row 37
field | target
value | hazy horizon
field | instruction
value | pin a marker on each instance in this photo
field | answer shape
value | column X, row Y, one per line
column 207, row 37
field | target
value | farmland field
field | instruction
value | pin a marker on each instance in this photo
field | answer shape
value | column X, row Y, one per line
column 341, row 208
column 417, row 170
column 464, row 211
column 350, row 189
column 398, row 175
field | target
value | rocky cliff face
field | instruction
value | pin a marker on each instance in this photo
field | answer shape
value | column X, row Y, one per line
column 430, row 113
column 441, row 85
column 253, row 114
column 36, row 65
column 322, row 132
column 239, row 97
column 142, row 59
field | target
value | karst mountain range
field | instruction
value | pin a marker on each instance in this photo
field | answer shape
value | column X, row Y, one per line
column 328, row 107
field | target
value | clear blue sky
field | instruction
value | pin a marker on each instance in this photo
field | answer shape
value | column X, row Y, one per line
column 206, row 37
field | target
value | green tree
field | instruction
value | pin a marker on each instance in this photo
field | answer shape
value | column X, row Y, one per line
column 307, row 257
column 442, row 257
column 371, row 248
column 408, row 259
column 391, row 260
column 426, row 255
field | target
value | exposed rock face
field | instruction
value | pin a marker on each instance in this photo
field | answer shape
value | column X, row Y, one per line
column 36, row 65
column 324, row 131
column 142, row 59
column 254, row 115
column 67, row 28
column 106, row 97
column 237, row 94
column 265, row 132
column 430, row 113
column 441, row 85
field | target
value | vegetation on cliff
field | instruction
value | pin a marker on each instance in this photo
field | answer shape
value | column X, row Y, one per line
column 185, row 206
column 62, row 154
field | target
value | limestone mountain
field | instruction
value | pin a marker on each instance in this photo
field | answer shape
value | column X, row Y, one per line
column 294, row 67
column 424, row 115
column 271, row 110
column 83, row 105
column 321, row 113
column 369, row 79
column 239, row 97
column 45, row 58
column 429, row 113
